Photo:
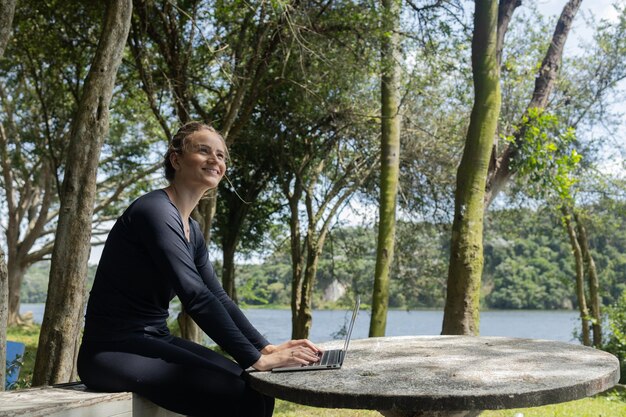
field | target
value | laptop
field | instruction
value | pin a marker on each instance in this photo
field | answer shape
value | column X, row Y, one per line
column 329, row 359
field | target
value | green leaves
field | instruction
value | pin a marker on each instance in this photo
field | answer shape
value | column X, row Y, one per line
column 546, row 154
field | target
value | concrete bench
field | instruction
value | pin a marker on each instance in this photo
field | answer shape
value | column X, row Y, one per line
column 75, row 400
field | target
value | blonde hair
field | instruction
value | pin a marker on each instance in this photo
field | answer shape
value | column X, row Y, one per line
column 178, row 144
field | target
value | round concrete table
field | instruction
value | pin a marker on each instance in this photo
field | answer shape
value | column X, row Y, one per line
column 447, row 375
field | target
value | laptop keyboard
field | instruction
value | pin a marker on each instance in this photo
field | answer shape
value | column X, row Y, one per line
column 329, row 357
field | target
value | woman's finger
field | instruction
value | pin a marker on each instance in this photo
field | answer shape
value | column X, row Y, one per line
column 307, row 343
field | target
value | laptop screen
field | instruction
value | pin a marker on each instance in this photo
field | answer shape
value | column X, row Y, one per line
column 355, row 312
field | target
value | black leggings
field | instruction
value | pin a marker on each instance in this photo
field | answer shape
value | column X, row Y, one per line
column 174, row 373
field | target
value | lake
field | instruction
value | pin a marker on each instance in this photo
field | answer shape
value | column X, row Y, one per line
column 276, row 324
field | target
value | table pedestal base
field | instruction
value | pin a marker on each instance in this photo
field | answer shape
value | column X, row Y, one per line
column 400, row 413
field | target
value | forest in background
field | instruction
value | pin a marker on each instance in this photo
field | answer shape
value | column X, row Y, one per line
column 528, row 265
column 310, row 96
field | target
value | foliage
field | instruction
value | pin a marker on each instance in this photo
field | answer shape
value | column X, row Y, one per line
column 607, row 238
column 35, row 283
column 528, row 263
column 546, row 155
column 616, row 340
column 12, row 366
column 419, row 273
column 29, row 335
column 590, row 80
column 526, row 43
column 52, row 47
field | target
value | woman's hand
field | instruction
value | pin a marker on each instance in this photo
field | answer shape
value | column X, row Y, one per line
column 291, row 353
column 289, row 345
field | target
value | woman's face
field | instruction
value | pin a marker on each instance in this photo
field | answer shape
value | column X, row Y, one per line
column 202, row 162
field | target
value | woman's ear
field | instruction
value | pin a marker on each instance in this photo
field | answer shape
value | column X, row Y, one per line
column 174, row 160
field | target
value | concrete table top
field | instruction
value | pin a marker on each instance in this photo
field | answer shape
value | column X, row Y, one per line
column 444, row 375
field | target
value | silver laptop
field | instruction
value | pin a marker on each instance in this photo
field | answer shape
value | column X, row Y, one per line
column 329, row 359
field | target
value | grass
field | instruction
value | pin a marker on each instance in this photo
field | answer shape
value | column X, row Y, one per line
column 611, row 404
column 29, row 335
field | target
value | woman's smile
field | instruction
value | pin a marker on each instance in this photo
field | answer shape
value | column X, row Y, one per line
column 206, row 152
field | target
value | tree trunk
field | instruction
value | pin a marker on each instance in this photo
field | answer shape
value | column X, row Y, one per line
column 228, row 269
column 16, row 277
column 237, row 212
column 592, row 275
column 297, row 259
column 28, row 217
column 62, row 321
column 461, row 313
column 304, row 319
column 390, row 164
column 296, row 263
column 189, row 330
column 580, row 283
column 4, row 301
column 316, row 237
column 204, row 213
column 500, row 170
column 505, row 13
column 7, row 11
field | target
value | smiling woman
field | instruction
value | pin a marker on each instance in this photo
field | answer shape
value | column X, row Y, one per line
column 194, row 163
column 155, row 251
column 194, row 137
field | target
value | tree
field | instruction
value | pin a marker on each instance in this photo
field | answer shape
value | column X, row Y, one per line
column 466, row 251
column 500, row 170
column 579, row 100
column 51, row 47
column 580, row 283
column 7, row 10
column 390, row 163
column 59, row 338
column 246, row 208
column 319, row 122
column 436, row 102
column 301, row 183
column 592, row 275
column 4, row 288
column 217, row 78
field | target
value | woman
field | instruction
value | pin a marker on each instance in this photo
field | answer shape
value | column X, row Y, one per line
column 155, row 251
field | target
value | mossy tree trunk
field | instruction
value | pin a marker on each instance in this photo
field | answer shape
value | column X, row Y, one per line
column 594, row 285
column 461, row 313
column 62, row 321
column 580, row 270
column 390, row 163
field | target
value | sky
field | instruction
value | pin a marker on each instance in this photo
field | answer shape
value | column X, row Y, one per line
column 580, row 33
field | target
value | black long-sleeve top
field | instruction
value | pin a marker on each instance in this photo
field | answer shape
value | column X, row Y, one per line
column 146, row 261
